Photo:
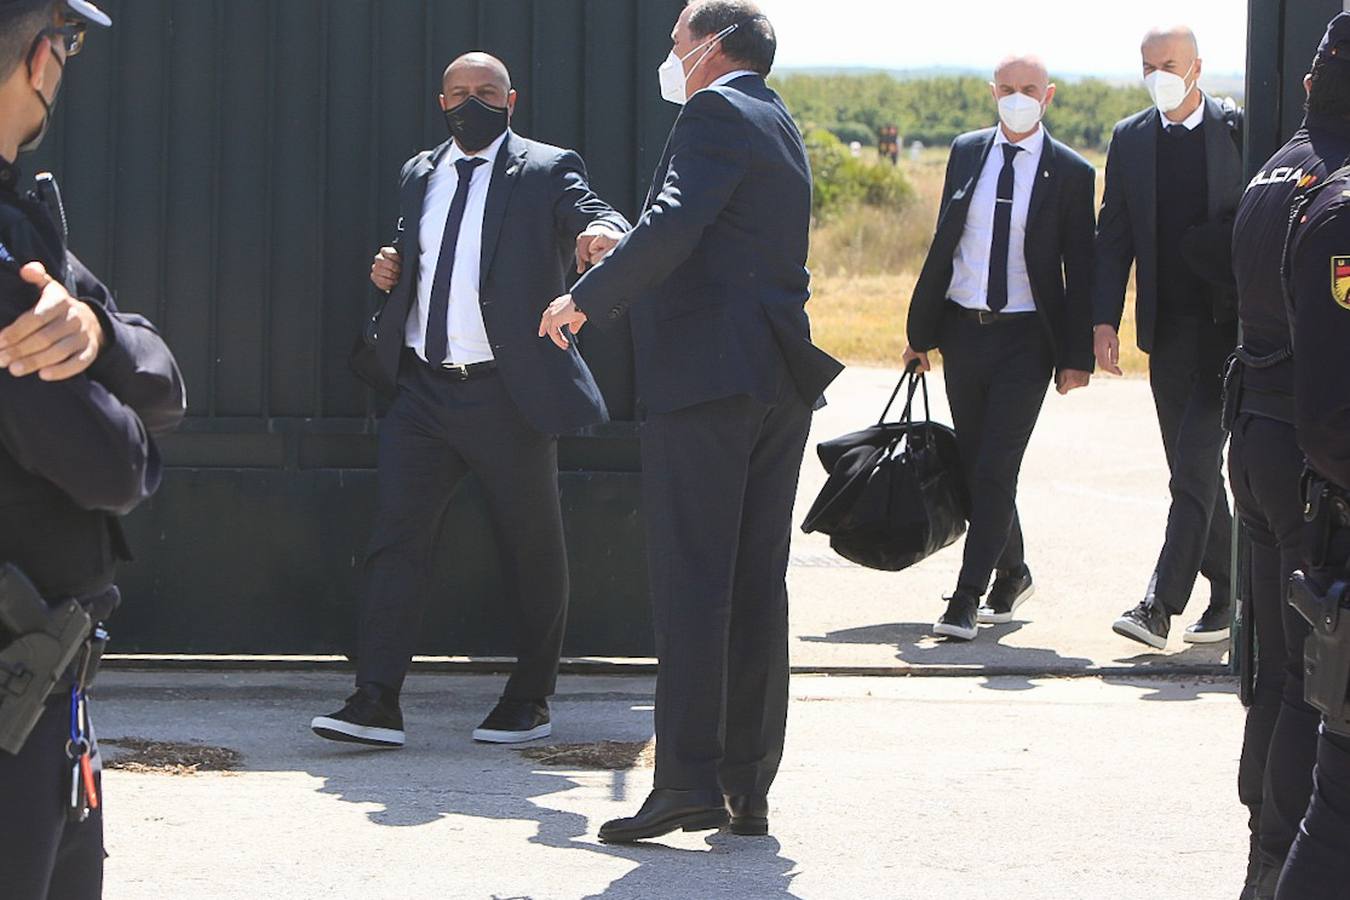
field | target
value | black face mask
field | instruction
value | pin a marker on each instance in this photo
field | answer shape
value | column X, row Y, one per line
column 474, row 124
column 36, row 138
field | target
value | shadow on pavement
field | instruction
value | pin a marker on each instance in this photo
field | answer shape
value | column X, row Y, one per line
column 452, row 777
column 915, row 644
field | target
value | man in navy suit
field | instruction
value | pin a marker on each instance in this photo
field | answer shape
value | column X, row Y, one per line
column 713, row 278
column 1004, row 296
column 492, row 223
column 1173, row 181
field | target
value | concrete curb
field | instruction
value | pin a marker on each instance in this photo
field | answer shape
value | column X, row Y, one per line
column 637, row 666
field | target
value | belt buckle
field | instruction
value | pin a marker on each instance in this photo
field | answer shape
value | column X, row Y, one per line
column 986, row 317
column 458, row 369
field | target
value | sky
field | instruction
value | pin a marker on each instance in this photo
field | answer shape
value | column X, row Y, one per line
column 1075, row 37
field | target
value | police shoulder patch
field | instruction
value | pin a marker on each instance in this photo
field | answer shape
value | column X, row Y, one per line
column 1340, row 280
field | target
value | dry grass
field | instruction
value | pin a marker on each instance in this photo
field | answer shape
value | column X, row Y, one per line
column 609, row 755
column 865, row 263
column 145, row 756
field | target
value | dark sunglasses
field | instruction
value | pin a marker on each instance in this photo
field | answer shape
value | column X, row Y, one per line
column 70, row 37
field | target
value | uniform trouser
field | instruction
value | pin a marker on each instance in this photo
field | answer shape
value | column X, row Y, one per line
column 1185, row 373
column 1318, row 867
column 437, row 431
column 718, row 484
column 1280, row 739
column 42, row 856
column 996, row 377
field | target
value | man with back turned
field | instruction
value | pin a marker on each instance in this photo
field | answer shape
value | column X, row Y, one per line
column 713, row 278
column 1265, row 466
column 82, row 386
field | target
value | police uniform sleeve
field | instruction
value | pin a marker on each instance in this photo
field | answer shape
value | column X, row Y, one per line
column 74, row 433
column 1321, row 269
column 135, row 363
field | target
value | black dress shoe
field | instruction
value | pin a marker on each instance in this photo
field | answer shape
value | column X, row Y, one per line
column 1212, row 627
column 665, row 811
column 1008, row 593
column 371, row 717
column 749, row 813
column 960, row 619
column 1148, row 623
column 514, row 722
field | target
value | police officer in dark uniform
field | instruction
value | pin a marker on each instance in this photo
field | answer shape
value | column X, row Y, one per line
column 82, row 386
column 1318, row 277
column 1265, row 465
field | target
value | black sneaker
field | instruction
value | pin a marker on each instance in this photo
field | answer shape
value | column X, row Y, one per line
column 960, row 619
column 514, row 722
column 371, row 717
column 1147, row 623
column 1008, row 593
column 1212, row 627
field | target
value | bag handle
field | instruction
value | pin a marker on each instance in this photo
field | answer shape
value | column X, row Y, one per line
column 916, row 380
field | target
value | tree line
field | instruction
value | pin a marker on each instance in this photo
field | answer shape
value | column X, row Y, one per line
column 935, row 110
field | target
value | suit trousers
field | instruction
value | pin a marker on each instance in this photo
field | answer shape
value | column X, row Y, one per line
column 42, row 856
column 437, row 431
column 996, row 377
column 1185, row 371
column 1280, row 739
column 719, row 481
column 1319, row 862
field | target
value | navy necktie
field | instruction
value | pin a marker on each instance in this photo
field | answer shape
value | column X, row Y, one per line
column 438, row 340
column 998, row 252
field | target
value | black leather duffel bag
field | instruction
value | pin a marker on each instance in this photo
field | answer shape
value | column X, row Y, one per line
column 896, row 493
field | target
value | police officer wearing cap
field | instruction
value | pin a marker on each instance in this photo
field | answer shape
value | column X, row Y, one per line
column 1265, row 465
column 82, row 386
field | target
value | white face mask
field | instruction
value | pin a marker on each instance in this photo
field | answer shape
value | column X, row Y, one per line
column 1167, row 90
column 674, row 81
column 1020, row 112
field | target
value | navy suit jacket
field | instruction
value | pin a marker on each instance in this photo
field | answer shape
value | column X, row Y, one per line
column 1127, row 229
column 538, row 202
column 1058, row 247
column 715, row 270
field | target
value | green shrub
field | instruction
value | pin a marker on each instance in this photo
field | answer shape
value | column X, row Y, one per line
column 843, row 181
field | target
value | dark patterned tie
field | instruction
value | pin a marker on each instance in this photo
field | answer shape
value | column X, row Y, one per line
column 998, row 252
column 438, row 340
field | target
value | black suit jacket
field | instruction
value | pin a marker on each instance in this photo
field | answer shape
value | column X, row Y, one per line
column 538, row 202
column 715, row 270
column 1127, row 229
column 1058, row 247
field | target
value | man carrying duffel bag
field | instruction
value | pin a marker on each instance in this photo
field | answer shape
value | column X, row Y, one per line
column 1004, row 295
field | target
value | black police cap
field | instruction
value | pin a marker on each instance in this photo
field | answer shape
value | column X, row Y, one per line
column 1336, row 42
column 84, row 10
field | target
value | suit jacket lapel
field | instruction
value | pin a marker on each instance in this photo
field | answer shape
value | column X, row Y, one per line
column 416, row 195
column 959, row 202
column 505, row 174
column 1146, row 174
column 1046, row 173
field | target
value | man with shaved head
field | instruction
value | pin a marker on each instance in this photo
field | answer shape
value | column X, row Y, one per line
column 1004, row 296
column 1173, row 181
column 490, row 223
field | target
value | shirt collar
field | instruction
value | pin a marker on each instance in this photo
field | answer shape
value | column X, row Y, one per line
column 9, row 176
column 1192, row 121
column 732, row 76
column 1032, row 144
column 489, row 152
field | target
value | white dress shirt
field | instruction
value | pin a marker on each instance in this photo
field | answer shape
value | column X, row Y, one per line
column 468, row 339
column 970, row 267
column 1191, row 122
column 730, row 76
